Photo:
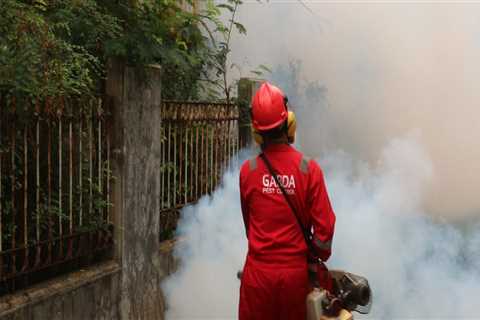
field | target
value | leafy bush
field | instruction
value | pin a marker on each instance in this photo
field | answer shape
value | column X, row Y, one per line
column 59, row 48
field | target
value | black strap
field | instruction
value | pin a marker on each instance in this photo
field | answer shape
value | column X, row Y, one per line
column 306, row 234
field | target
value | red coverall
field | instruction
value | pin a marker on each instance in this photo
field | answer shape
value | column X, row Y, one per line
column 275, row 281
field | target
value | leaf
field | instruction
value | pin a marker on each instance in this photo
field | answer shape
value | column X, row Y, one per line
column 40, row 4
column 182, row 45
column 226, row 6
column 212, row 9
column 265, row 68
column 240, row 27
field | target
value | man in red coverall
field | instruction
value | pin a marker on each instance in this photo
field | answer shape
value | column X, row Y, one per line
column 275, row 282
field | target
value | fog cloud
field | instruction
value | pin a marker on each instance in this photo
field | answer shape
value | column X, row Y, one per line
column 386, row 99
column 388, row 68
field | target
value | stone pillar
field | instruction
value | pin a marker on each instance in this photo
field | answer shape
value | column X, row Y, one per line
column 246, row 89
column 136, row 97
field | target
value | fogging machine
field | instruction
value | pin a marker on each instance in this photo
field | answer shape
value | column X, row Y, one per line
column 350, row 293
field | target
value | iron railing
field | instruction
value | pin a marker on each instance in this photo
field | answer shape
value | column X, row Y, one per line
column 54, row 188
column 199, row 141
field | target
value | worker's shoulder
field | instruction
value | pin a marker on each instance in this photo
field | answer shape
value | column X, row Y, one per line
column 307, row 164
column 304, row 162
column 249, row 164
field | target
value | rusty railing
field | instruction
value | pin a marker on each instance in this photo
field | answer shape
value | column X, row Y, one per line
column 54, row 189
column 199, row 141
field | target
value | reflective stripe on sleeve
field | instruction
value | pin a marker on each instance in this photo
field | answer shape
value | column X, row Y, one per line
column 304, row 164
column 322, row 245
column 252, row 163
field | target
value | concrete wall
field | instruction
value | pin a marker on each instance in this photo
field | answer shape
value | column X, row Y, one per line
column 128, row 287
column 85, row 294
column 137, row 100
column 246, row 90
column 93, row 293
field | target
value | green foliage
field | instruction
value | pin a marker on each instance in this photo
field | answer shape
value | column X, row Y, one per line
column 35, row 60
column 218, row 61
column 52, row 207
column 59, row 48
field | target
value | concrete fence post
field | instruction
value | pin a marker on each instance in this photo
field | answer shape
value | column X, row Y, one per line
column 136, row 97
column 246, row 89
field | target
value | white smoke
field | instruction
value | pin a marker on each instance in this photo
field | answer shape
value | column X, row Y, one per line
column 397, row 136
column 389, row 68
column 211, row 251
column 418, row 268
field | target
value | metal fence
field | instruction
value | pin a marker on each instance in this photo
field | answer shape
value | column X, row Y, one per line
column 199, row 141
column 54, row 188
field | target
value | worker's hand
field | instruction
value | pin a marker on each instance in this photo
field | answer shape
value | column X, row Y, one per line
column 324, row 277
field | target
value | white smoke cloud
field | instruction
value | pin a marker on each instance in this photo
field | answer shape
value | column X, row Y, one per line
column 391, row 70
column 211, row 251
column 418, row 268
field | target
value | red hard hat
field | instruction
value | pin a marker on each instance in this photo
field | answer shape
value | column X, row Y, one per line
column 268, row 107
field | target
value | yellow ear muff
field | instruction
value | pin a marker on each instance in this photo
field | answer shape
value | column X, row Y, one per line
column 257, row 137
column 291, row 126
column 291, row 129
